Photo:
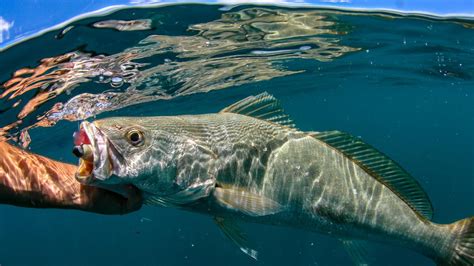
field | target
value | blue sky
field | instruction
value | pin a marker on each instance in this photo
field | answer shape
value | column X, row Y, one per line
column 22, row 18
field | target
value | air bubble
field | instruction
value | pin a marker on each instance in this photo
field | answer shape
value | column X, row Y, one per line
column 116, row 81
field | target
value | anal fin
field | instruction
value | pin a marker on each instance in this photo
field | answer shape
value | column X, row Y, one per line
column 357, row 250
column 234, row 233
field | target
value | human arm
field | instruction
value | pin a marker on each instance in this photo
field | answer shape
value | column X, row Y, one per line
column 31, row 180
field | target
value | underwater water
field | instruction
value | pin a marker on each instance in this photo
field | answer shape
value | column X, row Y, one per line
column 404, row 84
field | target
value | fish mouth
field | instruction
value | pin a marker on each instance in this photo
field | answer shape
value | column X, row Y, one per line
column 96, row 155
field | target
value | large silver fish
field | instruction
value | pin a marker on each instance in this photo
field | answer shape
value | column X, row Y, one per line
column 249, row 163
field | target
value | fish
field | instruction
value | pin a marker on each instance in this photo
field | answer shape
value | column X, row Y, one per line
column 249, row 163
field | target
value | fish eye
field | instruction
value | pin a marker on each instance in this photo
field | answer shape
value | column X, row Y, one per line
column 135, row 137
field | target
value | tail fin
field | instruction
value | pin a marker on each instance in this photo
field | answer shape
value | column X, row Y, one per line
column 463, row 248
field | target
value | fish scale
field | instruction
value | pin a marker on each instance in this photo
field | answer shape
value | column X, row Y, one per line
column 249, row 163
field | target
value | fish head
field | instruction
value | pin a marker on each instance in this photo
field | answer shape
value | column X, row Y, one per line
column 113, row 151
column 150, row 153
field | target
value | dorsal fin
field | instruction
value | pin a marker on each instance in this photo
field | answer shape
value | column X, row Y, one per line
column 382, row 168
column 262, row 106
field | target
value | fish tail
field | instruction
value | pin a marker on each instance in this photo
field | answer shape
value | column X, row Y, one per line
column 462, row 248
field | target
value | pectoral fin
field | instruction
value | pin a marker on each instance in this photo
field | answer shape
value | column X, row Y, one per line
column 233, row 232
column 357, row 251
column 246, row 202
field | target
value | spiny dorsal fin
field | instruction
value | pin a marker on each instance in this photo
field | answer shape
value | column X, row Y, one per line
column 382, row 168
column 263, row 106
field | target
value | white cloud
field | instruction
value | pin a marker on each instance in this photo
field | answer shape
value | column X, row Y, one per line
column 144, row 2
column 5, row 27
column 257, row 1
column 336, row 1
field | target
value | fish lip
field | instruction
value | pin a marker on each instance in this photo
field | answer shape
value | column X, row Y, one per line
column 102, row 165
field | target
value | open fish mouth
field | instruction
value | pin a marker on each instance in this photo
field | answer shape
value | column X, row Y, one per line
column 94, row 153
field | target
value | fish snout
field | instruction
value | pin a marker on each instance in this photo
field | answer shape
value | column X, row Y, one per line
column 78, row 151
column 83, row 151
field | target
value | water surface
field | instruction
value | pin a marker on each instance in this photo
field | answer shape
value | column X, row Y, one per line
column 402, row 83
